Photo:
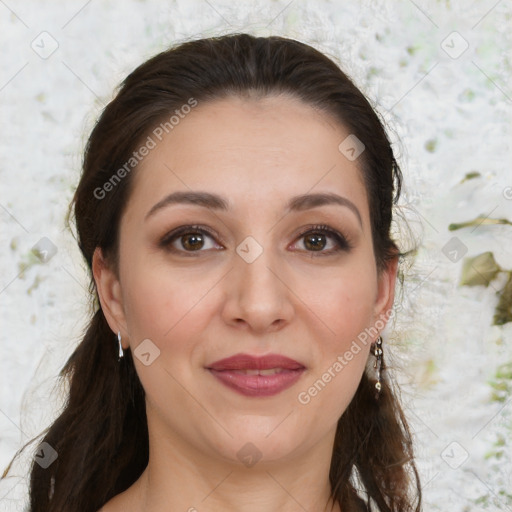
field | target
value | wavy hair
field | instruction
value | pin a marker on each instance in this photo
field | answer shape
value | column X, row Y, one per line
column 101, row 435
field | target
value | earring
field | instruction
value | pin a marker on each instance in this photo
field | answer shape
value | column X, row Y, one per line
column 121, row 353
column 377, row 352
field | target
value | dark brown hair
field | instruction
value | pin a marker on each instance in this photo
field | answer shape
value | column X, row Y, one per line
column 101, row 436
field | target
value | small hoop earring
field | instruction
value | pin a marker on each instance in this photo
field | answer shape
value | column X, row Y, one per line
column 377, row 352
column 121, row 352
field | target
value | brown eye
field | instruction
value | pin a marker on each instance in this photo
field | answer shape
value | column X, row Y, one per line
column 316, row 239
column 192, row 241
column 315, row 242
column 188, row 239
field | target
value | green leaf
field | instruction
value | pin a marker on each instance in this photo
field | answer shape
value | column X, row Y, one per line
column 481, row 220
column 504, row 371
column 480, row 270
column 471, row 175
column 503, row 311
column 431, row 145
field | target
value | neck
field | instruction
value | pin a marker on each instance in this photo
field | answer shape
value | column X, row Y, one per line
column 231, row 490
column 181, row 478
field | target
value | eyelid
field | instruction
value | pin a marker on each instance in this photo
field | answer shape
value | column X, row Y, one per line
column 343, row 243
column 186, row 229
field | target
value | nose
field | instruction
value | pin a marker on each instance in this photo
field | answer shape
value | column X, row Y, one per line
column 258, row 296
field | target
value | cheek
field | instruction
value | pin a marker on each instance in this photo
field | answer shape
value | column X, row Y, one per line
column 332, row 384
column 344, row 303
column 168, row 309
column 160, row 301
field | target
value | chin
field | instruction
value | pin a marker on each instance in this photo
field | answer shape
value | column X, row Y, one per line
column 255, row 446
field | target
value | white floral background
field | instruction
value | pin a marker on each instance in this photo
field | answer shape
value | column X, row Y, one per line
column 438, row 72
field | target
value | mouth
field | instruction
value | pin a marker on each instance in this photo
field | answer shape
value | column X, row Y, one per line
column 269, row 371
column 257, row 376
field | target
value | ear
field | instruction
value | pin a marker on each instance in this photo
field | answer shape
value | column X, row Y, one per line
column 109, row 292
column 386, row 291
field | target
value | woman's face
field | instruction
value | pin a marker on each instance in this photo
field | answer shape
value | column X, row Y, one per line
column 249, row 273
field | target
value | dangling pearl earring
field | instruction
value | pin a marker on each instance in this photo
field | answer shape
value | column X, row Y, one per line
column 121, row 352
column 377, row 351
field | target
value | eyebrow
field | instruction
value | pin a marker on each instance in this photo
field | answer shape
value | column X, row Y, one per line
column 216, row 202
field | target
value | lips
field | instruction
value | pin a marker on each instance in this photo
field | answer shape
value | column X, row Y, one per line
column 248, row 362
column 257, row 376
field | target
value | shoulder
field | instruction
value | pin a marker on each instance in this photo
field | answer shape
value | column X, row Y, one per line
column 119, row 503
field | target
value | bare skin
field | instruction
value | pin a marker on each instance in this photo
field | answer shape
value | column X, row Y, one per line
column 200, row 303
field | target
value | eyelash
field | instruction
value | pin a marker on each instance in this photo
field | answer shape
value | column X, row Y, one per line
column 342, row 242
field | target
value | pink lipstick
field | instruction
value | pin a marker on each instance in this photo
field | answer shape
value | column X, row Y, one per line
column 257, row 376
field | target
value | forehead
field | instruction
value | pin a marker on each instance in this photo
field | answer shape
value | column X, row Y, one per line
column 265, row 149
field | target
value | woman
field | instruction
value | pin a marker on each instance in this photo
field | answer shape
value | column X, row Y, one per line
column 234, row 210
